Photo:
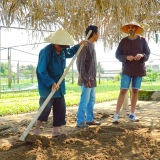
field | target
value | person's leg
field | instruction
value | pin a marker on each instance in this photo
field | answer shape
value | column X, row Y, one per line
column 125, row 83
column 44, row 115
column 136, row 84
column 134, row 98
column 37, row 127
column 90, row 109
column 59, row 114
column 84, row 99
column 90, row 106
column 120, row 100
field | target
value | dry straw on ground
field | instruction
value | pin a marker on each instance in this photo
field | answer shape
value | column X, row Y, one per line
column 75, row 15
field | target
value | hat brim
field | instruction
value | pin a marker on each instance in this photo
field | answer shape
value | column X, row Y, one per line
column 60, row 37
column 139, row 29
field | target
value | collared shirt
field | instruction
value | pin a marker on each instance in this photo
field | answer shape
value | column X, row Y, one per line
column 51, row 67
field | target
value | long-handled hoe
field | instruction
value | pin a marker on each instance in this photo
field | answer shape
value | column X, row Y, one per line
column 24, row 134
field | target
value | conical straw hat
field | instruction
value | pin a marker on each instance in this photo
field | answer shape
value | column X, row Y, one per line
column 60, row 37
column 139, row 30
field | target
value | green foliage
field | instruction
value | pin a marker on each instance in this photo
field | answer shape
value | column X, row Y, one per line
column 70, row 76
column 27, row 101
column 117, row 77
column 145, row 94
column 101, row 69
column 4, row 68
column 28, row 69
column 21, row 94
column 154, row 86
column 5, row 73
column 151, row 75
column 18, row 105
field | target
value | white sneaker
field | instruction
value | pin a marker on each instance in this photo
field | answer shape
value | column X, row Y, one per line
column 115, row 118
column 132, row 117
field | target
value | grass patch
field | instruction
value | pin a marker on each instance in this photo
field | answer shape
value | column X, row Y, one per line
column 28, row 101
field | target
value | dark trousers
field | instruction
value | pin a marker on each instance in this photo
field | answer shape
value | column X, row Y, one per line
column 58, row 106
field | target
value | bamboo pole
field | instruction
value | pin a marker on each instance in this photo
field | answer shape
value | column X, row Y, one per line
column 24, row 134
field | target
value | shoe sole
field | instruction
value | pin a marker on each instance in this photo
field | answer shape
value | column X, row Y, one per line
column 57, row 135
column 115, row 122
column 137, row 120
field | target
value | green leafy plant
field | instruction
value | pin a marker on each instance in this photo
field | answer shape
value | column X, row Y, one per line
column 28, row 101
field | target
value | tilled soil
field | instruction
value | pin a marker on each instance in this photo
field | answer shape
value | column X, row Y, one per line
column 123, row 141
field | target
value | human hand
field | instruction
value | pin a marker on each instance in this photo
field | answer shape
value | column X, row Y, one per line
column 130, row 58
column 55, row 87
column 88, row 85
column 138, row 56
column 83, row 42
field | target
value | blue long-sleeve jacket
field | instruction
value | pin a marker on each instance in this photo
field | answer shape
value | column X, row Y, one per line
column 51, row 67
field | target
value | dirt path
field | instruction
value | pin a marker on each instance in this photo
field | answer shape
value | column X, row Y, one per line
column 124, row 141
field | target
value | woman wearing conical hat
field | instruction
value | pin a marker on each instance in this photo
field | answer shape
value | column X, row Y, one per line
column 133, row 52
column 50, row 67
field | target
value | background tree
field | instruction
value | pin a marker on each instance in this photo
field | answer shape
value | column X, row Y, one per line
column 101, row 69
column 14, row 76
column 4, row 68
column 151, row 75
column 117, row 77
